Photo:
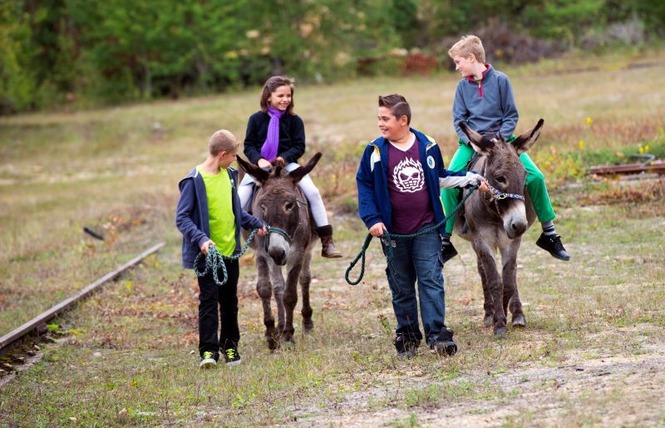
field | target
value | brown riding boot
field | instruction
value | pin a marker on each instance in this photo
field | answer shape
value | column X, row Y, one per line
column 328, row 249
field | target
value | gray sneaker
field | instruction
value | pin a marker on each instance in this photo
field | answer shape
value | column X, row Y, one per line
column 208, row 360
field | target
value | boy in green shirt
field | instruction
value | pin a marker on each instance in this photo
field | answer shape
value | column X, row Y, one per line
column 209, row 214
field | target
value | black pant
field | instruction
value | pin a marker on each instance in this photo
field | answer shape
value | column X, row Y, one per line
column 216, row 300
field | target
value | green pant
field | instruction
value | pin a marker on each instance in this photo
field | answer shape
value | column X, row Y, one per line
column 535, row 185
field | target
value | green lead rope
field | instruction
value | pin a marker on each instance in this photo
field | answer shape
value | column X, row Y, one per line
column 387, row 237
column 214, row 260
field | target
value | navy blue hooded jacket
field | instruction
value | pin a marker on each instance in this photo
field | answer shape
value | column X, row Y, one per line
column 192, row 219
column 372, row 180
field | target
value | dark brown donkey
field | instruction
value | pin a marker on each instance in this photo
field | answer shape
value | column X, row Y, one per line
column 497, row 221
column 281, row 205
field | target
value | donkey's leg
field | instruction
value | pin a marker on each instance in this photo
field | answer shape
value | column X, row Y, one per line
column 305, row 281
column 488, row 302
column 278, row 289
column 511, row 297
column 291, row 299
column 264, row 289
column 487, row 265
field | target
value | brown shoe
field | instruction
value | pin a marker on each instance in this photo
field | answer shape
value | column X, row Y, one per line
column 328, row 249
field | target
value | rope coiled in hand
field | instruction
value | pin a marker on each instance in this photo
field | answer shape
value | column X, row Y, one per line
column 214, row 260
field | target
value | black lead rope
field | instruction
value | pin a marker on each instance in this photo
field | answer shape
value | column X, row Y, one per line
column 387, row 237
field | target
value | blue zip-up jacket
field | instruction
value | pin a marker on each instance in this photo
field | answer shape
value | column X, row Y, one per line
column 192, row 220
column 486, row 106
column 372, row 180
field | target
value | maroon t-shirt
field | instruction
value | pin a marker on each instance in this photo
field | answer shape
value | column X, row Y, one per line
column 412, row 208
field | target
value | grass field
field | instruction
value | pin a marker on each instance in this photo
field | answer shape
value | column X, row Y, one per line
column 593, row 352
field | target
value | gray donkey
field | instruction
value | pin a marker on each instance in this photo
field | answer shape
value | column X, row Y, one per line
column 496, row 221
column 281, row 205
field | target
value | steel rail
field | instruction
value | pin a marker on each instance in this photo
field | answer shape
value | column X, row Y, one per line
column 11, row 338
column 657, row 167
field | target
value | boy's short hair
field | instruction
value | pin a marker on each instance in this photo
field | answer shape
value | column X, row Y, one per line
column 397, row 104
column 222, row 141
column 271, row 86
column 467, row 45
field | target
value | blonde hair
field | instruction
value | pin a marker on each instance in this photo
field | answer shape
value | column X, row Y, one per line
column 467, row 45
column 222, row 141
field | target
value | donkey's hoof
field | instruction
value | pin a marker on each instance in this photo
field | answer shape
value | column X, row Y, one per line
column 307, row 327
column 273, row 344
column 519, row 321
column 499, row 332
column 488, row 321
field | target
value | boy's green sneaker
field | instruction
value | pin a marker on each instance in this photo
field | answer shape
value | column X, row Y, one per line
column 232, row 357
column 208, row 360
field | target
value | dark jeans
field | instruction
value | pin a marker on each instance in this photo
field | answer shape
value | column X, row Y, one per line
column 217, row 302
column 417, row 259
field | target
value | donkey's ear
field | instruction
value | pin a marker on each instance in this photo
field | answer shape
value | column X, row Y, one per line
column 259, row 174
column 478, row 143
column 528, row 139
column 298, row 173
column 470, row 133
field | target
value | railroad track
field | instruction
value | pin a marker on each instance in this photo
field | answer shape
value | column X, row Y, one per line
column 11, row 339
column 657, row 167
column 649, row 165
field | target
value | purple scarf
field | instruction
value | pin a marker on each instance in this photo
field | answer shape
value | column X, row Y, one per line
column 269, row 148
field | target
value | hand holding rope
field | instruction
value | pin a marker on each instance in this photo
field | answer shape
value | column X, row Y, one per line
column 214, row 260
column 387, row 236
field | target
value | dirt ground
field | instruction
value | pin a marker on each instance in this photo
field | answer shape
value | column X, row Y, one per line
column 570, row 395
column 615, row 379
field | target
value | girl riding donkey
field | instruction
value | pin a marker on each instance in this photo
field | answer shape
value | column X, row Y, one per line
column 277, row 133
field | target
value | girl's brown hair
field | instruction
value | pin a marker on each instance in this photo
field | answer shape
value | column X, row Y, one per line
column 271, row 86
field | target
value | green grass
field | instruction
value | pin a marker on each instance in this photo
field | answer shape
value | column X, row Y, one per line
column 128, row 354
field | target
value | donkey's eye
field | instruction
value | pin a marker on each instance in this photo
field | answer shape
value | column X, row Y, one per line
column 289, row 206
column 263, row 208
column 501, row 179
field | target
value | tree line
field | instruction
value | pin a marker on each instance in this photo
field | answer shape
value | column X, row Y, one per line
column 93, row 52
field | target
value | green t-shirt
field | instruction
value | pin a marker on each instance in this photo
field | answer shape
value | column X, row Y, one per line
column 220, row 210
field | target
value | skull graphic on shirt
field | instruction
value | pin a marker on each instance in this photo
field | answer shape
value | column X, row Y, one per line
column 408, row 176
